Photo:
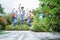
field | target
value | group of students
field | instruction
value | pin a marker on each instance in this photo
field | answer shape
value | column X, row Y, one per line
column 22, row 15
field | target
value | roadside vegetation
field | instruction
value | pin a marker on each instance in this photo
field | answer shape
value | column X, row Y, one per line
column 49, row 23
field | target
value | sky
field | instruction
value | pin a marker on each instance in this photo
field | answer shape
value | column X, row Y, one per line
column 8, row 5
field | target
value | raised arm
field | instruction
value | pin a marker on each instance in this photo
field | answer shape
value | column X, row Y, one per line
column 19, row 7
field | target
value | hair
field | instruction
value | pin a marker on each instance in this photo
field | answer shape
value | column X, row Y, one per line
column 22, row 7
column 29, row 11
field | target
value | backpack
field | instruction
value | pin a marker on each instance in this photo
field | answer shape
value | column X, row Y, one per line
column 12, row 15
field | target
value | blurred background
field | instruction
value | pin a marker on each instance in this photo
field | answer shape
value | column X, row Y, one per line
column 46, row 14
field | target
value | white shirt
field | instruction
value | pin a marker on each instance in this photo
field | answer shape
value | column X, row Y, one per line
column 22, row 11
column 14, row 11
column 28, row 14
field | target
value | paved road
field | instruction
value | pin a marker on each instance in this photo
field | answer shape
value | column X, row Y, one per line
column 29, row 35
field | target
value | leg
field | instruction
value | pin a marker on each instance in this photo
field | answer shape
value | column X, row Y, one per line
column 21, row 20
column 15, row 21
column 15, row 24
column 28, row 22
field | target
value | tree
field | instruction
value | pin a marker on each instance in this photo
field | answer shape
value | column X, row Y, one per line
column 51, row 8
column 1, row 9
column 3, row 21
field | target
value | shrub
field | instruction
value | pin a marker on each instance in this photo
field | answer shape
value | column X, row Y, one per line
column 17, row 27
column 9, row 19
column 41, row 24
column 3, row 23
column 24, row 27
column 9, row 27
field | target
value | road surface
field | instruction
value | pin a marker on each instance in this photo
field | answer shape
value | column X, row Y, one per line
column 29, row 35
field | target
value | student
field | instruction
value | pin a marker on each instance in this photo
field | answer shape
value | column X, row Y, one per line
column 14, row 17
column 28, row 19
column 22, row 14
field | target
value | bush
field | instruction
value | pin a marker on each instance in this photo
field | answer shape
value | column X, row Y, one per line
column 3, row 23
column 0, row 27
column 51, row 22
column 9, row 27
column 9, row 19
column 24, row 27
column 41, row 24
column 17, row 27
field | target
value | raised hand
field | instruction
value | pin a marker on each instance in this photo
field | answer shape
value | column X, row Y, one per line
column 19, row 4
column 19, row 7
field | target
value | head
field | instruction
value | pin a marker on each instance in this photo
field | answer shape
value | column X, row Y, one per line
column 29, row 11
column 13, row 8
column 22, row 8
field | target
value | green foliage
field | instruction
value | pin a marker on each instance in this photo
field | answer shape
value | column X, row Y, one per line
column 9, row 27
column 3, row 23
column 54, row 7
column 8, row 18
column 1, row 9
column 45, row 9
column 24, row 27
column 0, row 27
column 51, row 21
column 35, row 11
column 17, row 27
column 40, row 24
column 18, row 21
